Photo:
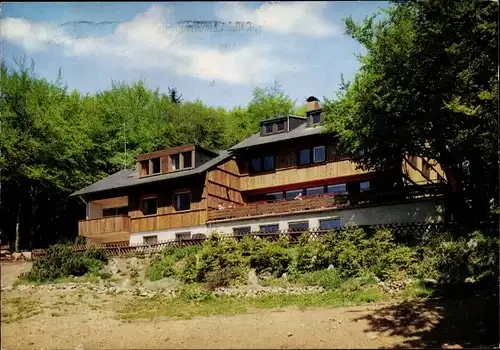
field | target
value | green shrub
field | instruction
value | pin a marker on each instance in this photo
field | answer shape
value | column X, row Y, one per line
column 328, row 279
column 217, row 254
column 60, row 261
column 160, row 267
column 272, row 258
column 190, row 271
column 220, row 277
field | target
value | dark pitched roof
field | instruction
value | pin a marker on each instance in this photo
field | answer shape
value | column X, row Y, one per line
column 130, row 177
column 256, row 139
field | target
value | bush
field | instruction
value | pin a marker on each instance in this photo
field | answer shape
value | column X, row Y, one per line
column 272, row 258
column 220, row 277
column 328, row 279
column 160, row 267
column 60, row 261
column 218, row 254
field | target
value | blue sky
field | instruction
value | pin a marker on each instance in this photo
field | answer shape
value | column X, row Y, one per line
column 302, row 45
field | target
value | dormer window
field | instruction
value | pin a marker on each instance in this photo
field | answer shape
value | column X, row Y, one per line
column 268, row 128
column 187, row 160
column 176, row 164
column 280, row 126
column 156, row 165
column 316, row 118
column 145, row 168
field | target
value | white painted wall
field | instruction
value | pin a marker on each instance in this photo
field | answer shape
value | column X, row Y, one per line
column 422, row 211
column 165, row 235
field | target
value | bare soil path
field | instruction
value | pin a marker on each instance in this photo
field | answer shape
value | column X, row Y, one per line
column 69, row 320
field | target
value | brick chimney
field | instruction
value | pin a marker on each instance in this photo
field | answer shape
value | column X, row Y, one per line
column 312, row 104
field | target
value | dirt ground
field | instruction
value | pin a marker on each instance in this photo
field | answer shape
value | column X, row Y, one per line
column 90, row 323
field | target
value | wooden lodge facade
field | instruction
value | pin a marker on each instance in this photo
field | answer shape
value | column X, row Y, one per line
column 287, row 176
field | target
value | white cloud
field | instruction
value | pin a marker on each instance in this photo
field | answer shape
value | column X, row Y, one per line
column 299, row 18
column 144, row 43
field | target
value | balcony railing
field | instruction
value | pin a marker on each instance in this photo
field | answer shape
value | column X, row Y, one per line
column 104, row 226
column 325, row 201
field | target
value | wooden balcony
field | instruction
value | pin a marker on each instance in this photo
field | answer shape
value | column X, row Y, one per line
column 105, row 230
column 326, row 201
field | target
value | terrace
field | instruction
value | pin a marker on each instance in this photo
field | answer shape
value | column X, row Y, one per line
column 326, row 201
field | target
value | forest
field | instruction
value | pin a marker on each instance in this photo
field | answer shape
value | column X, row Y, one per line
column 427, row 85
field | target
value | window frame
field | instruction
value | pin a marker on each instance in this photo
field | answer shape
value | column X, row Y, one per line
column 342, row 192
column 144, row 239
column 190, row 157
column 262, row 163
column 145, row 198
column 262, row 230
column 177, row 234
column 313, row 115
column 300, row 163
column 274, row 193
column 174, row 200
column 335, row 218
column 278, row 126
column 172, row 157
column 316, row 187
column 297, row 193
column 266, row 126
column 153, row 160
column 298, row 222
column 314, row 154
column 242, row 228
column 364, row 189
column 144, row 167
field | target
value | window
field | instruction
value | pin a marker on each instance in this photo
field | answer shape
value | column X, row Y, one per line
column 319, row 154
column 187, row 160
column 156, row 165
column 293, row 194
column 330, row 224
column 149, row 205
column 256, row 165
column 145, row 168
column 280, row 126
column 269, row 228
column 305, row 156
column 337, row 189
column 150, row 239
column 316, row 118
column 365, row 185
column 298, row 226
column 314, row 191
column 268, row 128
column 274, row 196
column 183, row 235
column 115, row 211
column 240, row 231
column 182, row 201
column 268, row 163
column 175, row 162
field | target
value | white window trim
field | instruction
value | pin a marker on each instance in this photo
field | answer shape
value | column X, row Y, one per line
column 314, row 154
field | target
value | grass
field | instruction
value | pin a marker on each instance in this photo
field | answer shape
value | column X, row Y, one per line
column 80, row 279
column 182, row 308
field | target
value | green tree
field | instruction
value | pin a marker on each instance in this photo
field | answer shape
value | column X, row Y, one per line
column 427, row 86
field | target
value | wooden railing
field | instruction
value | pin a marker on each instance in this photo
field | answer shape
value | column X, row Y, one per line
column 325, row 201
column 102, row 226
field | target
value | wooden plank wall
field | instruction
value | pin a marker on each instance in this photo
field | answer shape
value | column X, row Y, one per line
column 167, row 216
column 223, row 185
column 104, row 225
column 413, row 168
column 287, row 170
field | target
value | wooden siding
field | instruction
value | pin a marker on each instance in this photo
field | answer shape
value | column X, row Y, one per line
column 413, row 168
column 105, row 229
column 168, row 221
column 165, row 152
column 223, row 185
column 302, row 174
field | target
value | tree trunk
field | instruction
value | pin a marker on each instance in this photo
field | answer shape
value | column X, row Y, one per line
column 18, row 219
